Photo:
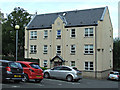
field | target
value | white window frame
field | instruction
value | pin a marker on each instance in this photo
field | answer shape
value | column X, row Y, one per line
column 45, row 63
column 33, row 34
column 58, row 49
column 33, row 49
column 45, row 49
column 72, row 49
column 89, row 49
column 88, row 33
column 89, row 66
column 71, row 63
column 45, row 33
column 58, row 34
column 71, row 34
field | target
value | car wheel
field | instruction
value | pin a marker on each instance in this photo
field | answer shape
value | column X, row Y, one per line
column 17, row 81
column 46, row 75
column 69, row 78
column 38, row 80
column 26, row 79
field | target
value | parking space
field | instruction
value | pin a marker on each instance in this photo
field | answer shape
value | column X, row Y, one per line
column 53, row 83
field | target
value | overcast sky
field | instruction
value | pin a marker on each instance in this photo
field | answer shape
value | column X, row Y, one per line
column 50, row 6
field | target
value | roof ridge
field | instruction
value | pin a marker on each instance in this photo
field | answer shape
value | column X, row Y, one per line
column 71, row 11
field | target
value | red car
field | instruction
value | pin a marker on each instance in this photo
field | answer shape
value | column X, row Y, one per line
column 31, row 70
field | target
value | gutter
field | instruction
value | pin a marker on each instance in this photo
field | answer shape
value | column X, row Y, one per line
column 31, row 20
column 95, row 53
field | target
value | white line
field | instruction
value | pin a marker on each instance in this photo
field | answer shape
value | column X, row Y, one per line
column 60, row 84
column 15, row 86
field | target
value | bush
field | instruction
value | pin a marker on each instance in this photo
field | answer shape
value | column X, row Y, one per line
column 43, row 68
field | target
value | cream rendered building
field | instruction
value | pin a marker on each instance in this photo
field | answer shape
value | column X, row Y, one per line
column 80, row 38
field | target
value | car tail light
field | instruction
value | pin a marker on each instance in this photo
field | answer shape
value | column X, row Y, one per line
column 117, row 75
column 31, row 70
column 8, row 69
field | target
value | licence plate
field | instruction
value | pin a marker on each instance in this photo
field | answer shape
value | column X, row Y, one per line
column 38, row 76
column 17, row 75
column 113, row 78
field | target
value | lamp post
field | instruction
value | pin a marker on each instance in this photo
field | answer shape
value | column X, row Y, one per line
column 17, row 28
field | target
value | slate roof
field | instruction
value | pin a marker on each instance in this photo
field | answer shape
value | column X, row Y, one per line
column 72, row 18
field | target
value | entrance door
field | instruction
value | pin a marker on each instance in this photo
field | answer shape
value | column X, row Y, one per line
column 57, row 63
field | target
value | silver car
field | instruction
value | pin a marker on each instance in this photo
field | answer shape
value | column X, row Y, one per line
column 64, row 72
column 114, row 75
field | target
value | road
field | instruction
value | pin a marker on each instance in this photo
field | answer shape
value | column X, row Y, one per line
column 53, row 83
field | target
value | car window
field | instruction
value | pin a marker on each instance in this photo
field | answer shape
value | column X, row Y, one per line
column 56, row 68
column 34, row 65
column 65, row 68
column 15, row 65
column 4, row 64
column 23, row 65
column 116, row 73
column 75, row 69
column 111, row 73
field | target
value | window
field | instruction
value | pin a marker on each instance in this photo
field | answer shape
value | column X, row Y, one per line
column 88, row 32
column 58, row 50
column 88, row 65
column 72, row 32
column 72, row 63
column 33, row 34
column 58, row 34
column 33, row 49
column 45, row 34
column 45, row 49
column 45, row 63
column 72, row 49
column 88, row 49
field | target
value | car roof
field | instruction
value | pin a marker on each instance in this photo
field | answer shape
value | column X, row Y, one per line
column 26, row 62
column 6, row 61
column 64, row 66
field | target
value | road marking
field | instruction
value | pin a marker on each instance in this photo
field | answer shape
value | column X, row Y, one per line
column 15, row 86
column 59, row 84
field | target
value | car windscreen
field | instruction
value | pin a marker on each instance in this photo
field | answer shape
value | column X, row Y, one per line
column 15, row 65
column 34, row 65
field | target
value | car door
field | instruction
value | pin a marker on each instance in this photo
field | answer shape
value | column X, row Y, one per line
column 55, row 72
column 64, row 71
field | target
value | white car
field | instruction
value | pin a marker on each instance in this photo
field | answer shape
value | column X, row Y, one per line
column 114, row 75
column 64, row 72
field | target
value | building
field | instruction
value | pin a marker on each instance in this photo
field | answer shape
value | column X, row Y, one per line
column 80, row 38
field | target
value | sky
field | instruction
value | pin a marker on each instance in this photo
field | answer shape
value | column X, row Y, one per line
column 51, row 6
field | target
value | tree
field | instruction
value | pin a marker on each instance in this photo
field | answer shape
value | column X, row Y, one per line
column 116, row 54
column 18, row 17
